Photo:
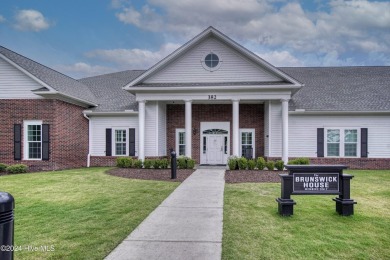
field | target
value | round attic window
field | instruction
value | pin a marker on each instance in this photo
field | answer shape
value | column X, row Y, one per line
column 211, row 61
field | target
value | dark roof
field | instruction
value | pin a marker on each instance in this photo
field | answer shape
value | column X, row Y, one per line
column 341, row 88
column 325, row 89
column 108, row 90
column 56, row 80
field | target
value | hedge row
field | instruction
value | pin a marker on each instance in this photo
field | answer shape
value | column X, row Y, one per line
column 128, row 162
column 237, row 163
column 12, row 169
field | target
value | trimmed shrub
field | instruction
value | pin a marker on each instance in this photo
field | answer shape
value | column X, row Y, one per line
column 260, row 163
column 182, row 162
column 190, row 163
column 299, row 161
column 156, row 164
column 242, row 163
column 17, row 168
column 124, row 162
column 251, row 164
column 137, row 164
column 270, row 165
column 279, row 165
column 148, row 163
column 3, row 167
column 164, row 163
column 232, row 163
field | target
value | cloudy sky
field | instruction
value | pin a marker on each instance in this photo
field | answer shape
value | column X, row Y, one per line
column 87, row 37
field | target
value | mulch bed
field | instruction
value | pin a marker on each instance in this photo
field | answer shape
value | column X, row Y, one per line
column 252, row 176
column 151, row 174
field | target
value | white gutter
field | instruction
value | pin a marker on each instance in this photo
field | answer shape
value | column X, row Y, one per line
column 324, row 112
column 89, row 140
column 114, row 113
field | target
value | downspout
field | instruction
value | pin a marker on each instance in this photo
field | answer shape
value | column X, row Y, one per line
column 89, row 140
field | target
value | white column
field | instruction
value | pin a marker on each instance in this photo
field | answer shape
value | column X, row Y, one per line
column 141, row 130
column 188, row 127
column 284, row 130
column 236, row 127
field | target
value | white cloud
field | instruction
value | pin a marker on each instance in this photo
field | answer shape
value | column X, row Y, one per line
column 2, row 19
column 31, row 20
column 81, row 70
column 338, row 26
column 133, row 58
column 281, row 59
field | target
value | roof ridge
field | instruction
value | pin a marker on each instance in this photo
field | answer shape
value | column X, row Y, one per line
column 111, row 73
column 38, row 63
column 20, row 64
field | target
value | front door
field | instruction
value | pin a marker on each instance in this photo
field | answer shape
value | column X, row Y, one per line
column 214, row 149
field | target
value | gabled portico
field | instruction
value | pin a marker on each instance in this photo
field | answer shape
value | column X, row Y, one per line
column 212, row 70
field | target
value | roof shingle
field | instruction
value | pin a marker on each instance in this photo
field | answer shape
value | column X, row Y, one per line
column 56, row 80
column 341, row 88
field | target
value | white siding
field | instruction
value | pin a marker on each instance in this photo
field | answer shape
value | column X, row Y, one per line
column 303, row 132
column 151, row 126
column 275, row 134
column 266, row 128
column 162, row 129
column 98, row 135
column 14, row 84
column 188, row 68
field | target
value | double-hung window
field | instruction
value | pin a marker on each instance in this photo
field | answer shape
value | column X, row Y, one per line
column 120, row 142
column 33, row 140
column 342, row 142
column 247, row 138
column 180, row 142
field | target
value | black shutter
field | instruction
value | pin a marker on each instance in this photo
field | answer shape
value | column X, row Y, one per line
column 108, row 142
column 45, row 142
column 364, row 142
column 320, row 142
column 17, row 142
column 131, row 141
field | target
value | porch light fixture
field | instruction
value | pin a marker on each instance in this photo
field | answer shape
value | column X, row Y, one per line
column 194, row 131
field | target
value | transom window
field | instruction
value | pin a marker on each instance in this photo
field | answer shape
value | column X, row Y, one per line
column 215, row 132
column 342, row 142
column 120, row 142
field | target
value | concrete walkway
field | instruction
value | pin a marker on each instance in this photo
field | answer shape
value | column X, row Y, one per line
column 186, row 225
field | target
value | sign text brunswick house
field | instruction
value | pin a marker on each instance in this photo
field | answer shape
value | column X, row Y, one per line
column 315, row 179
column 316, row 182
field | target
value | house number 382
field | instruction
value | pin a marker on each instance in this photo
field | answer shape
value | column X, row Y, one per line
column 212, row 97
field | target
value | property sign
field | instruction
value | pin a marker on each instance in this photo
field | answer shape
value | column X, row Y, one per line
column 316, row 183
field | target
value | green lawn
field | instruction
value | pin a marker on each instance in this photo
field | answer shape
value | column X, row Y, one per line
column 253, row 228
column 83, row 213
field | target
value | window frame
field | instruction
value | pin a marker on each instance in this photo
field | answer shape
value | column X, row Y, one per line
column 26, row 142
column 177, row 141
column 342, row 142
column 206, row 67
column 248, row 130
column 114, row 129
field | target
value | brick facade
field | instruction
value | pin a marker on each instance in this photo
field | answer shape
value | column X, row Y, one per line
column 68, row 132
column 352, row 163
column 251, row 116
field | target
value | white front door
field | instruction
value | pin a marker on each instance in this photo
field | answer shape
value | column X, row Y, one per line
column 214, row 149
